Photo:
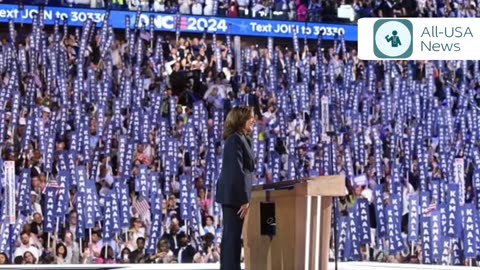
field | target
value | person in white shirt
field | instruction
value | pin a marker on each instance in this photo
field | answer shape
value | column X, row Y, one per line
column 36, row 207
column 164, row 254
column 184, row 6
column 208, row 9
column 72, row 224
column 257, row 8
column 243, row 7
column 209, row 227
column 197, row 8
column 129, row 243
column 214, row 96
column 138, row 229
column 26, row 246
column 408, row 190
column 73, row 250
column 270, row 114
column 159, row 6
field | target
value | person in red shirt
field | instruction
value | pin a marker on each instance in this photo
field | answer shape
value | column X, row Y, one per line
column 302, row 12
column 233, row 9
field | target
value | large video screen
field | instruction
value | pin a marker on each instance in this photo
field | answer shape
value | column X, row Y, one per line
column 186, row 23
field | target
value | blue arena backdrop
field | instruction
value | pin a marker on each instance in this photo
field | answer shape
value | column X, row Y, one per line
column 188, row 23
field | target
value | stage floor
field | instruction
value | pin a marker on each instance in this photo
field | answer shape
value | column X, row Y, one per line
column 341, row 266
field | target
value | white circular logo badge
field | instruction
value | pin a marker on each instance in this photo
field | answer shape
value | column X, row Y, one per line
column 393, row 38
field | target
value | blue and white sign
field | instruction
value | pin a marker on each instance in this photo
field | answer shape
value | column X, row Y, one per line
column 190, row 24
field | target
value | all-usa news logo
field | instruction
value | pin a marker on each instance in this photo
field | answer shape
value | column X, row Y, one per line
column 418, row 39
column 393, row 38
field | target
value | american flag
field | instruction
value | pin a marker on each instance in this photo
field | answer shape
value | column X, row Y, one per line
column 52, row 183
column 141, row 206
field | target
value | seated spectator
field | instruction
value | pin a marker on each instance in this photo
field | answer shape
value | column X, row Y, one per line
column 302, row 12
column 257, row 7
column 125, row 256
column 208, row 9
column 164, row 254
column 385, row 9
column 186, row 251
column 280, row 9
column 174, row 236
column 37, row 225
column 107, row 256
column 145, row 154
column 4, row 258
column 184, row 6
column 209, row 252
column 204, row 202
column 232, row 9
column 71, row 225
column 173, row 209
column 138, row 255
column 73, row 250
column 96, row 245
column 159, row 6
column 209, row 225
column 243, row 6
column 36, row 207
column 61, row 254
column 139, row 4
column 315, row 11
column 34, row 240
column 197, row 8
column 18, row 260
column 29, row 258
column 27, row 246
column 399, row 9
column 130, row 243
column 363, row 9
column 222, row 9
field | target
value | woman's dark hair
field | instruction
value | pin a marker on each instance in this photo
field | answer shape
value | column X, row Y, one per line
column 7, row 260
column 198, row 190
column 18, row 260
column 125, row 250
column 210, row 217
column 104, row 253
column 208, row 240
column 236, row 119
column 28, row 252
column 59, row 245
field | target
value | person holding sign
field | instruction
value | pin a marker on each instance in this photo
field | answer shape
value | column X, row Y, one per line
column 234, row 185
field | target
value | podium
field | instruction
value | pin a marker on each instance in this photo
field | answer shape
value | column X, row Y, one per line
column 302, row 224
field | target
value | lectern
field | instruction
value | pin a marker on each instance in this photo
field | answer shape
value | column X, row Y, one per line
column 302, row 224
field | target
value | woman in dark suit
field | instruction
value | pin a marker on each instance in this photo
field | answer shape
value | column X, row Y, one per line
column 235, row 183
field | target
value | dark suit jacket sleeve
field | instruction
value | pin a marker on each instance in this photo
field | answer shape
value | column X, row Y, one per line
column 231, row 187
column 188, row 254
column 34, row 229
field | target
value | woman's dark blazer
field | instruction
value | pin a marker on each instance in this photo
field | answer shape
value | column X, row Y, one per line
column 234, row 186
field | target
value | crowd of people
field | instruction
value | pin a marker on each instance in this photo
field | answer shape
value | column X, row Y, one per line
column 119, row 124
column 295, row 10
